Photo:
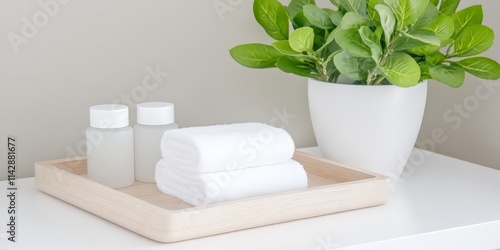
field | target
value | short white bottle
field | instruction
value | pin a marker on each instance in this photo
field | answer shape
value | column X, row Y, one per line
column 153, row 119
column 110, row 146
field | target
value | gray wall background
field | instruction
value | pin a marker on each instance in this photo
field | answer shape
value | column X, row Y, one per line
column 82, row 53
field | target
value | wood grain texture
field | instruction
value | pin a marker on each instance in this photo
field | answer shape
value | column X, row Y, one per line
column 143, row 209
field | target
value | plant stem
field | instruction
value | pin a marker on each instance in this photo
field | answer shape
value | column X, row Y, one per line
column 321, row 68
column 379, row 81
column 318, row 63
column 369, row 79
column 387, row 53
column 382, row 61
column 322, row 71
column 448, row 51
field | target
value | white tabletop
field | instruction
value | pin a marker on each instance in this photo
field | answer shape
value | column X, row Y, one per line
column 441, row 203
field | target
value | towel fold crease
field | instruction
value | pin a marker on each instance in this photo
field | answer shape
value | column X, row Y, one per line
column 207, row 188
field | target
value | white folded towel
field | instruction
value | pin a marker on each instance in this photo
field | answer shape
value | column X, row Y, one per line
column 214, row 148
column 208, row 188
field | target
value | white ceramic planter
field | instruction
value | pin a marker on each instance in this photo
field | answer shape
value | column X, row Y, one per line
column 370, row 127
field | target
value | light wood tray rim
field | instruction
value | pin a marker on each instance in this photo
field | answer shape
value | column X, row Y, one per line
column 359, row 189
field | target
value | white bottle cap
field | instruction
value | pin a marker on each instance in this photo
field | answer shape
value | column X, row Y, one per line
column 109, row 116
column 155, row 113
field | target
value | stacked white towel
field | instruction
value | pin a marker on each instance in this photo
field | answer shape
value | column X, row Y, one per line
column 211, row 148
column 205, row 165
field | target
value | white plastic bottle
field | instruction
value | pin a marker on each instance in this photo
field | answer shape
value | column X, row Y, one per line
column 110, row 146
column 153, row 119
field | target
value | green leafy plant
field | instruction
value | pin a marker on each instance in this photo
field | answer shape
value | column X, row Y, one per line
column 373, row 42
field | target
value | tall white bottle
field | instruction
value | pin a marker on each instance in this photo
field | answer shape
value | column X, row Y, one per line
column 110, row 146
column 153, row 119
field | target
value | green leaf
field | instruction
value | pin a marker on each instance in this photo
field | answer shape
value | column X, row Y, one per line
column 328, row 41
column 255, row 55
column 449, row 7
column 407, row 12
column 352, row 20
column 387, row 20
column 292, row 65
column 452, row 75
column 336, row 17
column 317, row 16
column 443, row 27
column 319, row 40
column 401, row 70
column 296, row 6
column 435, row 58
column 330, row 57
column 300, row 21
column 302, row 39
column 367, row 65
column 273, row 17
column 428, row 16
column 372, row 13
column 358, row 6
column 335, row 2
column 425, row 36
column 481, row 67
column 351, row 41
column 379, row 32
column 468, row 16
column 284, row 47
column 370, row 39
column 334, row 46
column 406, row 43
column 424, row 72
column 425, row 49
column 331, row 36
column 473, row 40
column 434, row 2
column 349, row 66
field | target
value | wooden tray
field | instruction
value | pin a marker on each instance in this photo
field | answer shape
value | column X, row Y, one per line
column 143, row 209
